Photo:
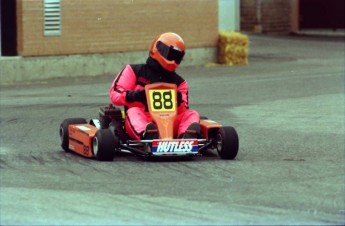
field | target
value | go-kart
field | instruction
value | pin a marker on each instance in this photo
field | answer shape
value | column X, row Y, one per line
column 103, row 138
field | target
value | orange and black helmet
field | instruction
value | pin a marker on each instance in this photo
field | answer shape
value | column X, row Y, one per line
column 168, row 49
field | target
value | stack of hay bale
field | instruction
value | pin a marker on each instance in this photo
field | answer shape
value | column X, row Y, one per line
column 233, row 48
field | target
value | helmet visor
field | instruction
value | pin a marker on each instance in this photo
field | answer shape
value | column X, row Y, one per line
column 170, row 53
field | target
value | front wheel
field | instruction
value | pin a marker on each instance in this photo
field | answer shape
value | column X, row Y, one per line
column 64, row 136
column 227, row 142
column 104, row 144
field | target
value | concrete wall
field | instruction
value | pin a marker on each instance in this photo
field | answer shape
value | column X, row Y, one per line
column 105, row 26
column 31, row 69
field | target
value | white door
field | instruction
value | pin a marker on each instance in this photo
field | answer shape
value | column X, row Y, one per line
column 228, row 15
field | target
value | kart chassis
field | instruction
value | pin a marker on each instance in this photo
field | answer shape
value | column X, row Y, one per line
column 104, row 137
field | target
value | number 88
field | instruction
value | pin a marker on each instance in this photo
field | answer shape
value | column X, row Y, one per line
column 162, row 100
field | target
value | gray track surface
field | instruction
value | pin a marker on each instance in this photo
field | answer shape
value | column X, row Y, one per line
column 287, row 106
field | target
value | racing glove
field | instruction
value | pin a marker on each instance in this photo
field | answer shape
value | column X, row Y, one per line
column 179, row 98
column 137, row 95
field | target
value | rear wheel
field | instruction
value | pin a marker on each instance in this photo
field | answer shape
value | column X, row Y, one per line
column 64, row 137
column 227, row 142
column 104, row 144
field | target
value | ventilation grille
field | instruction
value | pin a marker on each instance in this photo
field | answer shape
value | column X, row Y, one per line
column 52, row 17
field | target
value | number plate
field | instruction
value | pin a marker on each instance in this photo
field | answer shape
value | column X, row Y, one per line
column 163, row 100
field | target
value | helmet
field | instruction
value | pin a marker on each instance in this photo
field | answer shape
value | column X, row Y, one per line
column 168, row 49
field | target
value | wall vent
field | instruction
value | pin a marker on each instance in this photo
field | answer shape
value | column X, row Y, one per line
column 52, row 17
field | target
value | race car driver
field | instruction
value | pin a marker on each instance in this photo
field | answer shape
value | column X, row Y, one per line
column 166, row 53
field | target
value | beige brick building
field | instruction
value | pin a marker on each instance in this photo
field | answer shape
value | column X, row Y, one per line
column 97, row 37
column 89, row 26
column 105, row 26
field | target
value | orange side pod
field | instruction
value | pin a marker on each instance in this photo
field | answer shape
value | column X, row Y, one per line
column 80, row 138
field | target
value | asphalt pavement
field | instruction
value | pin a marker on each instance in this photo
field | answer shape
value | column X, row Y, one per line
column 287, row 106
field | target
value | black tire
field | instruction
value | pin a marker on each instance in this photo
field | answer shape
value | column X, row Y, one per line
column 104, row 144
column 227, row 143
column 64, row 137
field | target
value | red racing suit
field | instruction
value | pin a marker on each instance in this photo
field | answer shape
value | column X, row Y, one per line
column 135, row 77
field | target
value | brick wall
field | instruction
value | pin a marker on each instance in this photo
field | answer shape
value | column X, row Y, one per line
column 266, row 16
column 248, row 15
column 101, row 26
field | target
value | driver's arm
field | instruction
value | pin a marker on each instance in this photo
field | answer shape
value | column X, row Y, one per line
column 183, row 89
column 123, row 82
